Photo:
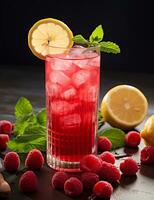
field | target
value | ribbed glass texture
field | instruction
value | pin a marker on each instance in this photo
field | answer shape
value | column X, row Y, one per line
column 72, row 93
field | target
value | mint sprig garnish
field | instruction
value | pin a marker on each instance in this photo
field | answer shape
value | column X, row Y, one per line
column 30, row 128
column 95, row 39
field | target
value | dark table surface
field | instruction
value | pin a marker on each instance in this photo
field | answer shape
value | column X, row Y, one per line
column 29, row 82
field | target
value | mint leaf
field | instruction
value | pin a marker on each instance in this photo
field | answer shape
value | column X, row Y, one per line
column 27, row 142
column 24, row 121
column 79, row 39
column 97, row 34
column 109, row 47
column 35, row 129
column 116, row 136
column 41, row 117
column 22, row 107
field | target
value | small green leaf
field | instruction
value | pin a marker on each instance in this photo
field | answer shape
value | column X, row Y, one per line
column 109, row 47
column 97, row 35
column 22, row 107
column 25, row 143
column 79, row 39
column 24, row 121
column 35, row 129
column 41, row 117
column 116, row 136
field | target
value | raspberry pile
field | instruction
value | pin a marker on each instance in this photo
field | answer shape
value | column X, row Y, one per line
column 28, row 181
column 92, row 168
column 98, row 173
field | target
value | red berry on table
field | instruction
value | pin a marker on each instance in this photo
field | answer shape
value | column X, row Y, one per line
column 3, row 141
column 103, row 189
column 73, row 187
column 34, row 160
column 5, row 127
column 89, row 179
column 129, row 167
column 58, row 180
column 110, row 172
column 132, row 139
column 91, row 163
column 107, row 157
column 28, row 182
column 147, row 155
column 11, row 161
column 104, row 144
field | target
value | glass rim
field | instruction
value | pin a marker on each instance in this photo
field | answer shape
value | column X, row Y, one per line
column 67, row 50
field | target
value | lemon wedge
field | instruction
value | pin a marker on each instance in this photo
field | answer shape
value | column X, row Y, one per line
column 124, row 107
column 49, row 36
column 148, row 131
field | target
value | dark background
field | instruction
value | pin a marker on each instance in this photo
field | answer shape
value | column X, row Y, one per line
column 127, row 22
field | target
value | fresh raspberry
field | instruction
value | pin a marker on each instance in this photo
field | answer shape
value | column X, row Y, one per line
column 89, row 179
column 34, row 160
column 91, row 163
column 11, row 161
column 3, row 141
column 5, row 127
column 147, row 155
column 73, row 187
column 132, row 139
column 28, row 182
column 58, row 180
column 103, row 189
column 110, row 172
column 107, row 157
column 129, row 167
column 104, row 144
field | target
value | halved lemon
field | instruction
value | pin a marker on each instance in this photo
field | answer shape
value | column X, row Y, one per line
column 124, row 106
column 49, row 36
column 148, row 131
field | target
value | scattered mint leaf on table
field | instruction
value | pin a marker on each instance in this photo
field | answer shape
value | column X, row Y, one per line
column 22, row 107
column 116, row 136
column 30, row 128
column 23, row 121
column 95, row 39
column 41, row 117
column 27, row 142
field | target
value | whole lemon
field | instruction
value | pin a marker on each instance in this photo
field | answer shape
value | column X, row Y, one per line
column 148, row 131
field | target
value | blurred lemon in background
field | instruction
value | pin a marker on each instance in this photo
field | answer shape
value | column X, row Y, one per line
column 148, row 131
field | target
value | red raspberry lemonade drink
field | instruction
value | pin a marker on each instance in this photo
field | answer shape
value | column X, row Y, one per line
column 72, row 92
column 72, row 89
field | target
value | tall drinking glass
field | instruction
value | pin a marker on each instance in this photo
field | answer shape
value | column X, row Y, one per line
column 72, row 93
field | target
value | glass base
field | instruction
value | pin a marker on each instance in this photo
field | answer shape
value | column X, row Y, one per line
column 62, row 165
